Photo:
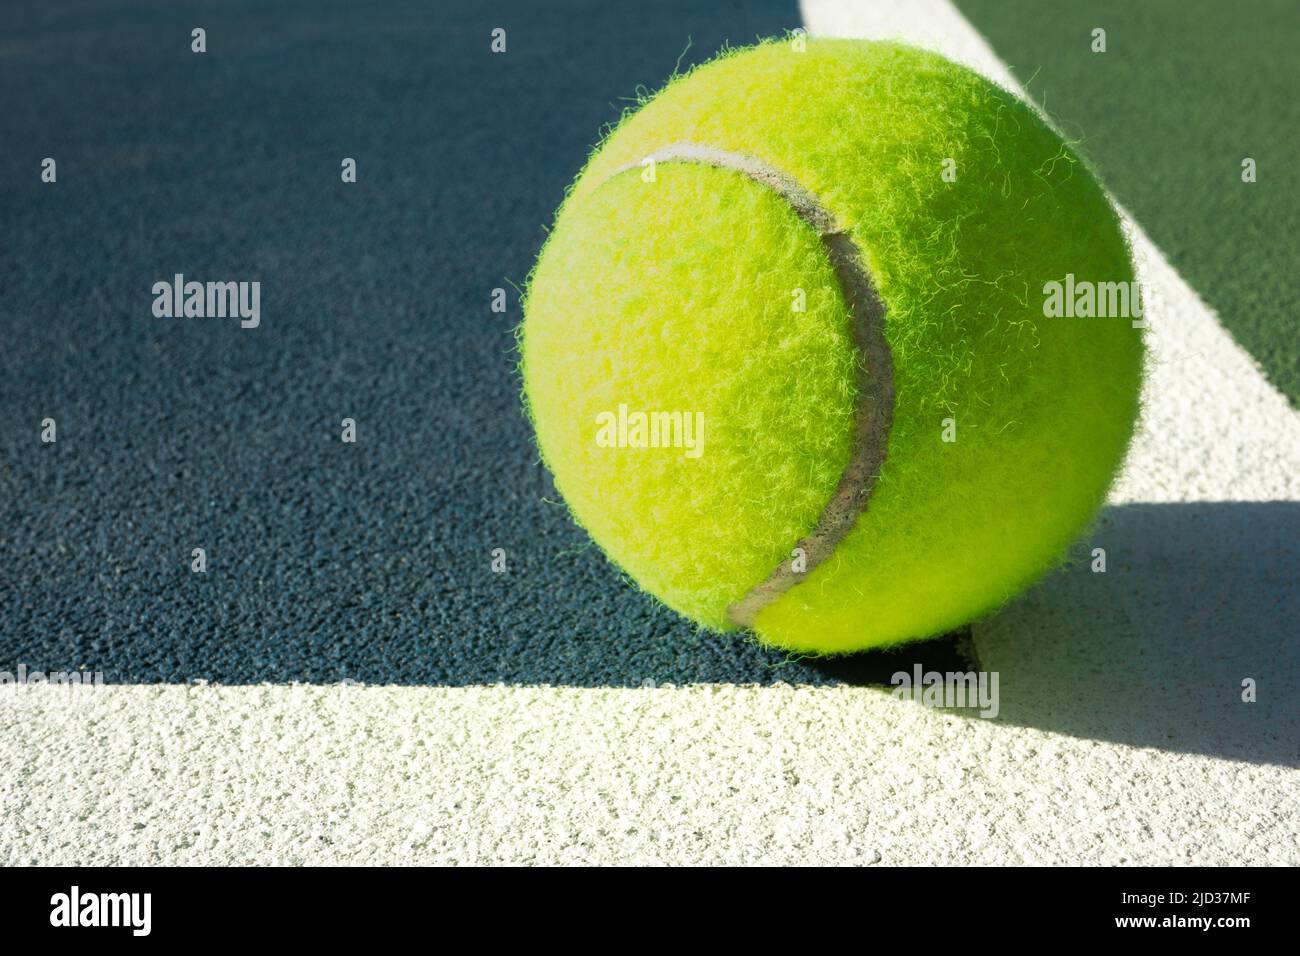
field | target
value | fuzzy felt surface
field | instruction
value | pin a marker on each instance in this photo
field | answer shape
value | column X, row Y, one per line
column 1043, row 408
column 646, row 304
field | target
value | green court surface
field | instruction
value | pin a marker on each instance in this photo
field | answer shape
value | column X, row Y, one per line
column 1184, row 92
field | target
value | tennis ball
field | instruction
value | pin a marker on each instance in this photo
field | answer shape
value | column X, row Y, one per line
column 786, row 349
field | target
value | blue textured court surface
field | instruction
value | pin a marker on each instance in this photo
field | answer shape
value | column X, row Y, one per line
column 326, row 560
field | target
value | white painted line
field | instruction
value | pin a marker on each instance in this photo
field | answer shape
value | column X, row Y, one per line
column 138, row 775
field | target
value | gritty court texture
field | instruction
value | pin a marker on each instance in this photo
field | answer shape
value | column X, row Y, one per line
column 350, row 681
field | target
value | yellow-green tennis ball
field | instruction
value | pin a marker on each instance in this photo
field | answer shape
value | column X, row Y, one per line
column 834, row 264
